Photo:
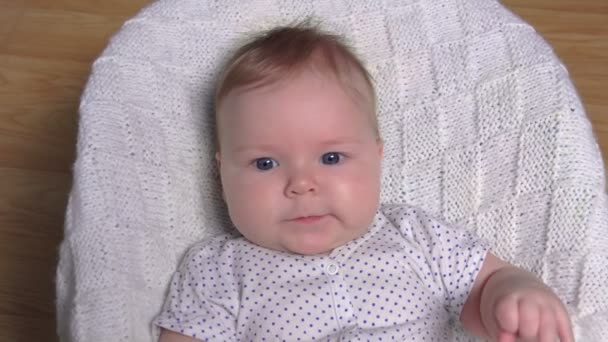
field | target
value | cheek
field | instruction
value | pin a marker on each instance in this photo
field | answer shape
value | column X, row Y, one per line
column 358, row 186
column 249, row 198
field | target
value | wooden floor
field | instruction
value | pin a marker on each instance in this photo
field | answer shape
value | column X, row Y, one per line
column 46, row 49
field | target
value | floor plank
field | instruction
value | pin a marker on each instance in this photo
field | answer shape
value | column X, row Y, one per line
column 578, row 32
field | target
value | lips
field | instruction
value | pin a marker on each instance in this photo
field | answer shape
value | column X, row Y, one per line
column 308, row 219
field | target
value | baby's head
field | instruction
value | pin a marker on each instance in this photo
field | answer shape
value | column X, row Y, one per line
column 299, row 149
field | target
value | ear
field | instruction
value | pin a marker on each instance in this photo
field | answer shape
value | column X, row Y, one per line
column 218, row 161
column 380, row 148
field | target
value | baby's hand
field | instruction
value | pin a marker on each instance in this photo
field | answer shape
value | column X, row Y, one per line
column 531, row 312
column 507, row 303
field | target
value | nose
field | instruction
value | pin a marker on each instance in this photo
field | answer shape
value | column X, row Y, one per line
column 300, row 183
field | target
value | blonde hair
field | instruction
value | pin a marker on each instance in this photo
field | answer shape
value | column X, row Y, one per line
column 281, row 52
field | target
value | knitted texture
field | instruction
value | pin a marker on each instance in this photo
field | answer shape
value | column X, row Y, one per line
column 482, row 127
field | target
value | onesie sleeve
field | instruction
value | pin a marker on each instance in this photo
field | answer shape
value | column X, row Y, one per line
column 203, row 297
column 448, row 257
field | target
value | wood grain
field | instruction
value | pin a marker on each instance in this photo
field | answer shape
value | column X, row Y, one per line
column 578, row 32
column 46, row 49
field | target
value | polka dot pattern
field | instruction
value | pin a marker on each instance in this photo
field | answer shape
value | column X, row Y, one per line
column 407, row 278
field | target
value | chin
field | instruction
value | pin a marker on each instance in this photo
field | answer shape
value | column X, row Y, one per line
column 311, row 250
column 311, row 246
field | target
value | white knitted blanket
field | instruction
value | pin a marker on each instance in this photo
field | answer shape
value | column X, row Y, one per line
column 482, row 127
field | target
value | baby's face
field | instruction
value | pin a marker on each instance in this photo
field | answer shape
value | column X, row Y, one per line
column 299, row 164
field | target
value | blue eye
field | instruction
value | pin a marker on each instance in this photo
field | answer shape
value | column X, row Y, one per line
column 265, row 164
column 331, row 158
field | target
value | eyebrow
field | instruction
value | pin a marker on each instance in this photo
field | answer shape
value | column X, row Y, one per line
column 246, row 148
column 330, row 142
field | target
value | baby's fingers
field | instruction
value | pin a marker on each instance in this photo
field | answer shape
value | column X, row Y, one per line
column 507, row 315
column 564, row 327
column 507, row 337
column 547, row 331
column 552, row 323
column 529, row 319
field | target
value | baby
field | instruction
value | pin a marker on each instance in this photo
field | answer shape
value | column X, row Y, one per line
column 318, row 258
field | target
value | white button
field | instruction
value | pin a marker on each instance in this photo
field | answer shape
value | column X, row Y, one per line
column 332, row 268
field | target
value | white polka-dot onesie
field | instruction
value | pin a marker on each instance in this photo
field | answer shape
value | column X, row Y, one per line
column 406, row 279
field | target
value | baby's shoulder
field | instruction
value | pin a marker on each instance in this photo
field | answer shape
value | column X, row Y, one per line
column 399, row 214
column 213, row 249
column 395, row 209
column 410, row 219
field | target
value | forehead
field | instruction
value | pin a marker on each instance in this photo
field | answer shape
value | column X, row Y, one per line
column 305, row 106
column 351, row 74
column 353, row 88
column 308, row 89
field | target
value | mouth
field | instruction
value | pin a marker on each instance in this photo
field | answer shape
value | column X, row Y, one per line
column 308, row 219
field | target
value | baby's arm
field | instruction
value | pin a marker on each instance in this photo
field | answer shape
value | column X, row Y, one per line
column 170, row 336
column 506, row 303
